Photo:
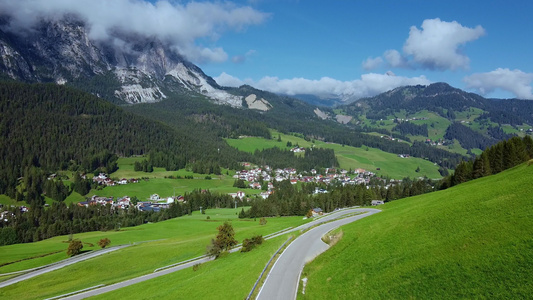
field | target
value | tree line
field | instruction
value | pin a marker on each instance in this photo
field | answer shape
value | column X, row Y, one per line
column 55, row 128
column 61, row 219
column 499, row 157
column 289, row 200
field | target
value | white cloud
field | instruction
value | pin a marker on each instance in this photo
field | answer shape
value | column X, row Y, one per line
column 225, row 79
column 394, row 59
column 514, row 81
column 436, row 45
column 372, row 63
column 370, row 84
column 180, row 24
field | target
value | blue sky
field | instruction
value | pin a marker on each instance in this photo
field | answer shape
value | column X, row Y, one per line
column 315, row 39
column 341, row 48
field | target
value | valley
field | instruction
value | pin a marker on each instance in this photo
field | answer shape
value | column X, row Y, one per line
column 112, row 135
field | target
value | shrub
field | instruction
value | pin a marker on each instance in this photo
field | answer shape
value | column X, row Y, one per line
column 195, row 267
column 74, row 247
column 104, row 243
column 249, row 244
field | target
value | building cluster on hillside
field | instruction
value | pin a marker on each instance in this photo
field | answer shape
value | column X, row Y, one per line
column 155, row 203
column 439, row 142
column 103, row 179
column 390, row 138
column 266, row 175
column 298, row 149
column 407, row 119
column 6, row 215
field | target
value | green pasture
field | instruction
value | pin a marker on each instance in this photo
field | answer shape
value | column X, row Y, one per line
column 6, row 201
column 166, row 187
column 437, row 125
column 230, row 277
column 389, row 164
column 352, row 158
column 472, row 241
column 126, row 169
column 155, row 245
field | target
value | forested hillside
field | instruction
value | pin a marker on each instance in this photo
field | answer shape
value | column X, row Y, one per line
column 288, row 115
column 53, row 127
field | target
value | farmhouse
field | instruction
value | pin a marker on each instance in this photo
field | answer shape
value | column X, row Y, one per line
column 317, row 211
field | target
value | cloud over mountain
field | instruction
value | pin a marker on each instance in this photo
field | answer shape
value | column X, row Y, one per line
column 179, row 24
column 369, row 84
column 514, row 81
column 436, row 46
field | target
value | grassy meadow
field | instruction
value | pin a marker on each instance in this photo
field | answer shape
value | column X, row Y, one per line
column 470, row 241
column 155, row 245
column 156, row 182
column 230, row 277
column 349, row 157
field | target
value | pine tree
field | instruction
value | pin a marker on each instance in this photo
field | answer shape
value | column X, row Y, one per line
column 225, row 239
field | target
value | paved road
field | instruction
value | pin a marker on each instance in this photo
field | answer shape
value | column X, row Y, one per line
column 188, row 264
column 282, row 281
column 119, row 285
column 105, row 289
column 42, row 270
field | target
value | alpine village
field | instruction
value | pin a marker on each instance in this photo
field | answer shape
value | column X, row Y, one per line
column 128, row 172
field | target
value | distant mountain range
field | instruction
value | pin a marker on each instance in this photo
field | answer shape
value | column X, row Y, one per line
column 146, row 70
column 440, row 114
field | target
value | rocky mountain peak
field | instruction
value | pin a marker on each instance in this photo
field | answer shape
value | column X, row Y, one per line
column 137, row 69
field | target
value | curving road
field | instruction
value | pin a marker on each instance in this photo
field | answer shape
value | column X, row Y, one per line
column 282, row 281
column 310, row 244
column 190, row 263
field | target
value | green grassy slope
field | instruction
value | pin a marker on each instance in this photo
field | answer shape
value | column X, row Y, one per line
column 471, row 241
column 349, row 157
column 231, row 277
column 166, row 243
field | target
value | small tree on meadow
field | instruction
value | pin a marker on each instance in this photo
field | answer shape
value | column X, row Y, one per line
column 104, row 243
column 74, row 247
column 225, row 239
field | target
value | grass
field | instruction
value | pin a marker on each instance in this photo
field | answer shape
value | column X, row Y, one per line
column 350, row 157
column 230, row 277
column 389, row 164
column 6, row 201
column 470, row 241
column 125, row 169
column 166, row 187
column 168, row 242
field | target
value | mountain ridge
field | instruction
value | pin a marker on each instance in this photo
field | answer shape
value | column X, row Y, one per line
column 137, row 69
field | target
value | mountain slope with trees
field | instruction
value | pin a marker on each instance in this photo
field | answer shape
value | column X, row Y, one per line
column 448, row 114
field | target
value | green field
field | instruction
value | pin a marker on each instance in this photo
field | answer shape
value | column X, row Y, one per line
column 156, row 182
column 231, row 277
column 166, row 187
column 164, row 243
column 5, row 200
column 125, row 169
column 471, row 241
column 351, row 157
